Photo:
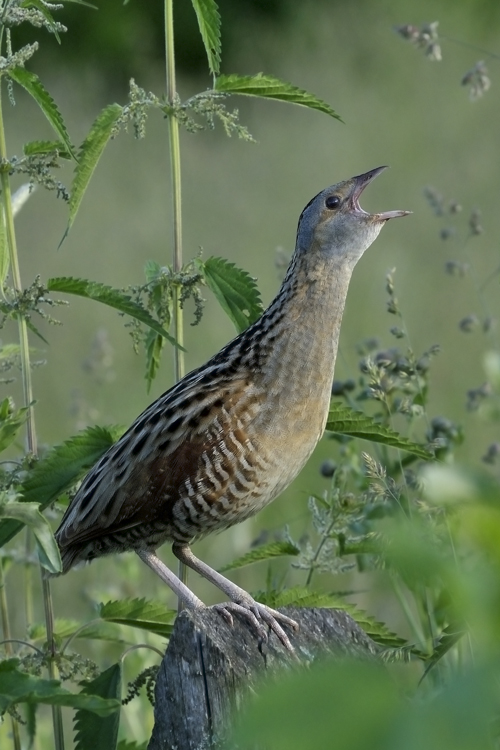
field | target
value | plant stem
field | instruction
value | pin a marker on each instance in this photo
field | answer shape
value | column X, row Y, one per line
column 320, row 546
column 175, row 170
column 53, row 674
column 7, row 641
column 8, row 218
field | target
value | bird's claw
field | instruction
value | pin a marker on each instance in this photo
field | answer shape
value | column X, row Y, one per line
column 256, row 614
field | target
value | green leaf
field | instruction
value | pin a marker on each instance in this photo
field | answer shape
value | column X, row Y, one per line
column 139, row 613
column 64, row 464
column 46, row 147
column 208, row 17
column 303, row 597
column 19, row 687
column 10, row 422
column 94, row 630
column 107, row 295
column 29, row 515
column 235, row 290
column 125, row 745
column 59, row 469
column 448, row 638
column 154, row 345
column 89, row 154
column 100, row 732
column 270, row 87
column 264, row 552
column 345, row 421
column 32, row 84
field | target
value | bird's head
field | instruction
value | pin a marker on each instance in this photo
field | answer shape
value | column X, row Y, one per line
column 334, row 223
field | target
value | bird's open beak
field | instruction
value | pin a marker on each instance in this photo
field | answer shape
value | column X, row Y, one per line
column 361, row 181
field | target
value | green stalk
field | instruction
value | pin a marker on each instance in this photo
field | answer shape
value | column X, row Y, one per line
column 7, row 640
column 175, row 170
column 8, row 218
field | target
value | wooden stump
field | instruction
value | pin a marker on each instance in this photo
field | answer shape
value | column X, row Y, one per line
column 209, row 667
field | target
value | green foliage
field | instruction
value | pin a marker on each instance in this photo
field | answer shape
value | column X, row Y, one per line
column 108, row 296
column 69, row 629
column 345, row 421
column 300, row 596
column 264, row 552
column 209, row 24
column 89, row 154
column 18, row 687
column 57, row 471
column 32, row 84
column 269, row 87
column 361, row 707
column 139, row 613
column 421, row 539
column 46, row 147
column 91, row 730
column 234, row 289
column 11, row 420
column 28, row 514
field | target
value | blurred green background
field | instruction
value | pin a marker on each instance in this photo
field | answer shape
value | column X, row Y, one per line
column 242, row 201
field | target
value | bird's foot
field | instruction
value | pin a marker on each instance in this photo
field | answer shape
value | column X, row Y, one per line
column 258, row 615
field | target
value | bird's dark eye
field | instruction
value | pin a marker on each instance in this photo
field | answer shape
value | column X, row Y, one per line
column 333, row 201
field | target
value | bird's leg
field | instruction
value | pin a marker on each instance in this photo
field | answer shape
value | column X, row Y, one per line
column 178, row 587
column 241, row 601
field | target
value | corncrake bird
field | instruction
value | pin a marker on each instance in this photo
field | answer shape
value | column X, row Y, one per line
column 231, row 435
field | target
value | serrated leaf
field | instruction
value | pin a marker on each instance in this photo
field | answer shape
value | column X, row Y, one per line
column 107, row 295
column 269, row 87
column 154, row 345
column 64, row 464
column 32, row 84
column 100, row 732
column 139, row 613
column 63, row 629
column 46, row 147
column 19, row 687
column 448, row 638
column 29, row 515
column 345, row 421
column 303, row 597
column 208, row 17
column 89, row 154
column 235, row 290
column 264, row 552
column 59, row 469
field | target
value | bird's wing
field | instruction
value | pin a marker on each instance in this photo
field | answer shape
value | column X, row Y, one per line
column 191, row 433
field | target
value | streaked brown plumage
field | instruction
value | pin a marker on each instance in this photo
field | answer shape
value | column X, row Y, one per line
column 231, row 435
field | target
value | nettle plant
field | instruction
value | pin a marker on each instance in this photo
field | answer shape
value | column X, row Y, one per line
column 36, row 663
column 374, row 505
column 431, row 531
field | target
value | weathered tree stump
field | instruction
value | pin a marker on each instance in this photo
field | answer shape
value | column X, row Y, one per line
column 209, row 667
